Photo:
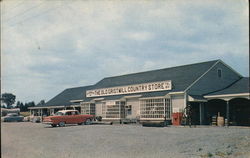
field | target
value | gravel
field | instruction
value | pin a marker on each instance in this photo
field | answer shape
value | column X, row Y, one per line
column 29, row 140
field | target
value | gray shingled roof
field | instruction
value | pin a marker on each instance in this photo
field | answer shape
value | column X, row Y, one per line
column 63, row 98
column 241, row 86
column 181, row 77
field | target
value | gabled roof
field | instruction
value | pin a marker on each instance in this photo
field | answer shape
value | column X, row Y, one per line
column 241, row 86
column 181, row 76
column 67, row 95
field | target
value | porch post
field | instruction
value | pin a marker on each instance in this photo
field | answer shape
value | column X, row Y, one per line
column 120, row 110
column 227, row 109
column 201, row 107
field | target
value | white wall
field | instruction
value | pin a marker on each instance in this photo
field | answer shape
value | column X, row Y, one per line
column 177, row 103
column 134, row 102
column 98, row 108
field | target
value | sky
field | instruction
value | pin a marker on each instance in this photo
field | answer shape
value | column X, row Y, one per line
column 48, row 46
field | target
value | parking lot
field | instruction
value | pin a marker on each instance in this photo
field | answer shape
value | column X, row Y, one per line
column 35, row 140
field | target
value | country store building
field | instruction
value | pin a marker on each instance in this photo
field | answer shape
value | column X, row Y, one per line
column 208, row 88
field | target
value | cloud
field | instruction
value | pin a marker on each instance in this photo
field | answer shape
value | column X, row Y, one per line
column 61, row 44
column 139, row 36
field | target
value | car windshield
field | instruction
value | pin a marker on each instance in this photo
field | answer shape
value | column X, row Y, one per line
column 59, row 113
column 12, row 114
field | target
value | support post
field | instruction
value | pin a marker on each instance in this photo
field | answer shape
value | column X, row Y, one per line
column 201, row 112
column 120, row 112
column 227, row 123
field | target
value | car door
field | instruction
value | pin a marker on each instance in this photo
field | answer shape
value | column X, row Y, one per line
column 69, row 117
column 75, row 117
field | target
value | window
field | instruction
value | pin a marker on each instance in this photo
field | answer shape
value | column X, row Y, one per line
column 59, row 113
column 113, row 109
column 219, row 73
column 88, row 108
column 68, row 113
column 74, row 112
column 155, row 108
column 129, row 110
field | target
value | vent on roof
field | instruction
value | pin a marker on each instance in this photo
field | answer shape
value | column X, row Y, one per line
column 219, row 73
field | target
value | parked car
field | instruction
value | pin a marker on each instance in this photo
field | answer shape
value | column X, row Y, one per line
column 67, row 117
column 12, row 117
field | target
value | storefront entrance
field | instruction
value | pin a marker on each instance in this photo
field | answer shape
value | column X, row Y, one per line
column 239, row 111
column 236, row 110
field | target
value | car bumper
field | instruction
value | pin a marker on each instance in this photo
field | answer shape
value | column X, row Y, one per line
column 47, row 123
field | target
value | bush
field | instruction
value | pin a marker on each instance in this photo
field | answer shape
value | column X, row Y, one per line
column 25, row 114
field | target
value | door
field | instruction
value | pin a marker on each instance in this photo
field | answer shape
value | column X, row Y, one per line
column 128, row 111
column 69, row 118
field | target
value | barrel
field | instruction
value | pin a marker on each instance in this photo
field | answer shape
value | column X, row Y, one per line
column 220, row 121
column 214, row 120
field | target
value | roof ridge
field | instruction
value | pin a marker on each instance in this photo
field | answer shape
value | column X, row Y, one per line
column 79, row 87
column 160, row 69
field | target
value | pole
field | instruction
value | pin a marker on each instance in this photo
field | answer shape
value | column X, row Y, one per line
column 227, row 113
column 200, row 104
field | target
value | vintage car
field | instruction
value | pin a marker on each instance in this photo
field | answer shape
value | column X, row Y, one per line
column 12, row 117
column 63, row 117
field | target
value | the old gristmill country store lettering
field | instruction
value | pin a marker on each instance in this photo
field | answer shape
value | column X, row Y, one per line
column 146, row 87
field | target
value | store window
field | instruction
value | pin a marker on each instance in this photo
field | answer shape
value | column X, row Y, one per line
column 155, row 108
column 113, row 109
column 88, row 108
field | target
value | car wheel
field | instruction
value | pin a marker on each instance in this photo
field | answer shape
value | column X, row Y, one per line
column 88, row 122
column 80, row 123
column 62, row 124
column 53, row 125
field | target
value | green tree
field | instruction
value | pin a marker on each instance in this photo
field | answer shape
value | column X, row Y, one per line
column 8, row 99
column 21, row 107
column 41, row 103
column 31, row 104
column 18, row 104
column 25, row 107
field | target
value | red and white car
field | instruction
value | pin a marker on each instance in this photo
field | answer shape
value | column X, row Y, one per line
column 68, row 117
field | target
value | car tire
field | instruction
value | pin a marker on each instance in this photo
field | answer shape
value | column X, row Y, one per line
column 88, row 122
column 61, row 124
column 53, row 125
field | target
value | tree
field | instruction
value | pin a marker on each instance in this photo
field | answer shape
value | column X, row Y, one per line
column 22, row 107
column 31, row 104
column 25, row 107
column 41, row 103
column 18, row 104
column 8, row 99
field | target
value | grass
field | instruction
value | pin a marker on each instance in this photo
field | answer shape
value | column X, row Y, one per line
column 25, row 114
column 221, row 154
column 207, row 155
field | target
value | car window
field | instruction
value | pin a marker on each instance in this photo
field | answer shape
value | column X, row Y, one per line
column 12, row 114
column 75, row 113
column 59, row 113
column 68, row 113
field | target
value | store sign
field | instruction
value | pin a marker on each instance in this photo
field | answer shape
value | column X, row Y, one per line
column 130, row 89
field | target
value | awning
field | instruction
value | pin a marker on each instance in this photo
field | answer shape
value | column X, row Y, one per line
column 196, row 98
